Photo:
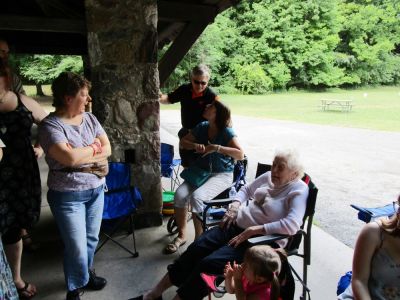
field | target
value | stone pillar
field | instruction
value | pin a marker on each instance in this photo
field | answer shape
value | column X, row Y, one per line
column 122, row 48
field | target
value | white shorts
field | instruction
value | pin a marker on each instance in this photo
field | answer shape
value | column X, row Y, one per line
column 216, row 184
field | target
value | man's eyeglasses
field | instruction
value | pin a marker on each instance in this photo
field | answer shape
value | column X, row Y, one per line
column 200, row 82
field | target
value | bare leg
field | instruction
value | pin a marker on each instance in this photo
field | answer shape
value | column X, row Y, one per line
column 14, row 255
column 198, row 228
column 181, row 221
column 162, row 286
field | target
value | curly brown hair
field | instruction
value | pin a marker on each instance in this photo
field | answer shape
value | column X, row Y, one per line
column 67, row 84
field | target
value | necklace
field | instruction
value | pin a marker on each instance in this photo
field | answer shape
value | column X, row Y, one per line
column 2, row 96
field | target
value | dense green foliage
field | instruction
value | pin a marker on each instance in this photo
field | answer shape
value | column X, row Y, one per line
column 264, row 45
column 42, row 69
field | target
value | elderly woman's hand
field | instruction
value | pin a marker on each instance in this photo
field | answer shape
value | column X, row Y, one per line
column 246, row 234
column 230, row 215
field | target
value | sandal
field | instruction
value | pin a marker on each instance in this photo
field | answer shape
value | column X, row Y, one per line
column 25, row 293
column 174, row 246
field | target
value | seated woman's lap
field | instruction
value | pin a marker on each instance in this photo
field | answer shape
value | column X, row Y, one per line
column 209, row 254
column 217, row 183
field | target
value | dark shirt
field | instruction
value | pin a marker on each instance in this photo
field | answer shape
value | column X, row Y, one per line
column 191, row 108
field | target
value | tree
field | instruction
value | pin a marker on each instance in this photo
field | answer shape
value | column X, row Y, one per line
column 42, row 69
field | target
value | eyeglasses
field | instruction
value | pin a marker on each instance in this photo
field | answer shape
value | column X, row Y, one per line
column 200, row 82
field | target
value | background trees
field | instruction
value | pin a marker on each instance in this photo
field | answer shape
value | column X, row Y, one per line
column 264, row 45
column 42, row 69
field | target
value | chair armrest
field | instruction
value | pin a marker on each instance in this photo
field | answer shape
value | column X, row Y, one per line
column 266, row 239
column 218, row 202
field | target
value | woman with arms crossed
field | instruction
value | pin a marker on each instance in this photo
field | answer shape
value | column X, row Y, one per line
column 74, row 143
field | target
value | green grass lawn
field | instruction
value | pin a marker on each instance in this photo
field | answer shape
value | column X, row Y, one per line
column 373, row 108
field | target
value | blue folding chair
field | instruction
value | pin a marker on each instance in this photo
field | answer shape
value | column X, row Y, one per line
column 120, row 202
column 170, row 166
column 367, row 214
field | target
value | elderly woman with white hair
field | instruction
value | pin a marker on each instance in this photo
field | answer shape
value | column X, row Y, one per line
column 273, row 203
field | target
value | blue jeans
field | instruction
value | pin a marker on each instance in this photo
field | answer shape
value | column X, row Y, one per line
column 78, row 216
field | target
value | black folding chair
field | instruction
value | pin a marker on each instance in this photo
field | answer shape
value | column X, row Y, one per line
column 303, row 235
column 120, row 202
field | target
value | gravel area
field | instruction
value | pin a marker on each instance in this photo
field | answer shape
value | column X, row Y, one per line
column 348, row 165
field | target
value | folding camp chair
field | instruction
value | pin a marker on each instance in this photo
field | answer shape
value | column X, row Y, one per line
column 304, row 234
column 211, row 215
column 215, row 209
column 170, row 166
column 120, row 201
column 367, row 214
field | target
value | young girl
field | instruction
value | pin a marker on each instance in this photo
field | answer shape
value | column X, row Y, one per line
column 257, row 277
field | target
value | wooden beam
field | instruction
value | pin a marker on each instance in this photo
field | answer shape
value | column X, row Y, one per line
column 185, row 12
column 179, row 48
column 44, row 24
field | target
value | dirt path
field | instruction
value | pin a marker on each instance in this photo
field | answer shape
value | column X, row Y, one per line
column 348, row 165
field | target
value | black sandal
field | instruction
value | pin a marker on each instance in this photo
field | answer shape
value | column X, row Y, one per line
column 23, row 292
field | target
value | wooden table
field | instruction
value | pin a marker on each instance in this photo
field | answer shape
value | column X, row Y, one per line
column 333, row 104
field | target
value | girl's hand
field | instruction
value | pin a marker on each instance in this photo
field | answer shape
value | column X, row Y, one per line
column 237, row 271
column 228, row 271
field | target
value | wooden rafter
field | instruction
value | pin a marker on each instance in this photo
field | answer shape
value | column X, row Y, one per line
column 42, row 24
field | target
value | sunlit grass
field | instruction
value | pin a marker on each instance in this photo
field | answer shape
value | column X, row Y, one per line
column 373, row 108
column 31, row 90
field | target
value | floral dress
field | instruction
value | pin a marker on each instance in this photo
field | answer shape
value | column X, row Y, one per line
column 7, row 287
column 20, row 187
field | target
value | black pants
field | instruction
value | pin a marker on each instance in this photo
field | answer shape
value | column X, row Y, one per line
column 208, row 254
column 187, row 156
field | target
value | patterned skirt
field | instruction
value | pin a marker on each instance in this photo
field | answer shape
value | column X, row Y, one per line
column 7, row 287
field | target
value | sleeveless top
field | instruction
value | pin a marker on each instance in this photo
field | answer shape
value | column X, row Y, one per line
column 20, row 186
column 384, row 280
column 262, row 290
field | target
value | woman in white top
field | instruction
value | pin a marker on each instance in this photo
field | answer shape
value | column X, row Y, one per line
column 279, row 205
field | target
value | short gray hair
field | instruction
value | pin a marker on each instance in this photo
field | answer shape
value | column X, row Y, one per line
column 292, row 158
column 200, row 70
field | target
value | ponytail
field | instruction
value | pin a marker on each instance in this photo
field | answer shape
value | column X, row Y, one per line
column 275, row 287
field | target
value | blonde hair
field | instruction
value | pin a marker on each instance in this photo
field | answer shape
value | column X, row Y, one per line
column 292, row 158
column 266, row 262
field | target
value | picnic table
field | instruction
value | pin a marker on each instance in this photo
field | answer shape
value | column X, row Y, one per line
column 334, row 104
